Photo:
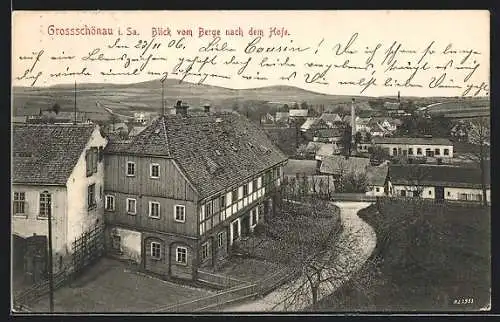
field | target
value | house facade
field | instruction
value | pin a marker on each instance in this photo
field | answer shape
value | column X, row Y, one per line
column 438, row 182
column 376, row 178
column 58, row 171
column 179, row 194
column 416, row 147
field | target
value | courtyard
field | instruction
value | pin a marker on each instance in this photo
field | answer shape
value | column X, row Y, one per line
column 114, row 286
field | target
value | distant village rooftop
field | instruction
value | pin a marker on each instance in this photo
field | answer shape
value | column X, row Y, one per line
column 419, row 141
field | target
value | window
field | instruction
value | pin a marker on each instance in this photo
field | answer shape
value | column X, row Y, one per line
column 100, row 192
column 410, row 151
column 428, row 152
column 222, row 202
column 449, row 194
column 437, row 151
column 154, row 209
column 45, row 204
column 155, row 250
column 254, row 185
column 18, row 204
column 181, row 255
column 235, row 195
column 430, row 192
column 403, row 193
column 394, row 151
column 245, row 189
column 91, row 160
column 446, row 152
column 180, row 213
column 208, row 209
column 109, row 203
column 220, row 239
column 101, row 153
column 377, row 189
column 154, row 170
column 95, row 159
column 204, row 251
column 419, row 151
column 131, row 206
column 130, row 168
column 91, row 203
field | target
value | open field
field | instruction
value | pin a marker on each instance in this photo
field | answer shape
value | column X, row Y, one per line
column 146, row 96
column 112, row 286
column 423, row 262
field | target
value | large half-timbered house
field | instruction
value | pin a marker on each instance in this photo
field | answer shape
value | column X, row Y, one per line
column 184, row 189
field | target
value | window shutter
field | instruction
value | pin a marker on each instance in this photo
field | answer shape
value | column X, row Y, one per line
column 94, row 157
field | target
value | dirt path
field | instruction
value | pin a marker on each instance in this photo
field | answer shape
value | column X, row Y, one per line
column 361, row 239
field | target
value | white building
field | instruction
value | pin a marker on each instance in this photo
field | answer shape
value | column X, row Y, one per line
column 58, row 171
column 438, row 182
column 416, row 147
column 377, row 176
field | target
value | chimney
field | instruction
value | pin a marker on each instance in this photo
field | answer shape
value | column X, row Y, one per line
column 206, row 107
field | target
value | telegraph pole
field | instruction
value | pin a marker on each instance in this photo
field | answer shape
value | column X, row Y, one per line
column 162, row 97
column 51, row 276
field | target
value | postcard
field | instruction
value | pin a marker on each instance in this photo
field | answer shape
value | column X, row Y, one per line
column 250, row 161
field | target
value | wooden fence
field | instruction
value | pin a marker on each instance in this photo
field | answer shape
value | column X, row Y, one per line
column 88, row 248
column 275, row 280
column 40, row 289
column 217, row 280
column 439, row 202
column 214, row 301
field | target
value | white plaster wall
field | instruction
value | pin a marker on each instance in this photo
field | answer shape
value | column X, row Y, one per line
column 130, row 243
column 26, row 226
column 80, row 218
column 453, row 193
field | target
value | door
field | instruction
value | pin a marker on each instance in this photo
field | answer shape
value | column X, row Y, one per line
column 245, row 225
column 236, row 231
column 35, row 259
column 439, row 192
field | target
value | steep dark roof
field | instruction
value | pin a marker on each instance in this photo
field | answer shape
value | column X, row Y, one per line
column 47, row 153
column 377, row 175
column 437, row 175
column 215, row 150
column 337, row 164
column 303, row 167
column 421, row 141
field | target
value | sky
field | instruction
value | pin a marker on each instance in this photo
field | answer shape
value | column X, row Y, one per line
column 318, row 31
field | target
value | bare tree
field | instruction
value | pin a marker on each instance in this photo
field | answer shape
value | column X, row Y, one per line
column 479, row 135
column 324, row 261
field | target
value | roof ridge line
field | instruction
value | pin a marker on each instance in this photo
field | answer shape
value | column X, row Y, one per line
column 166, row 136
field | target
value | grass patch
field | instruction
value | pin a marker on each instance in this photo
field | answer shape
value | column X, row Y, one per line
column 427, row 257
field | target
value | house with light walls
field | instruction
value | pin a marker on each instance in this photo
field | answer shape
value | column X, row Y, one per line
column 415, row 147
column 185, row 189
column 438, row 182
column 57, row 171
